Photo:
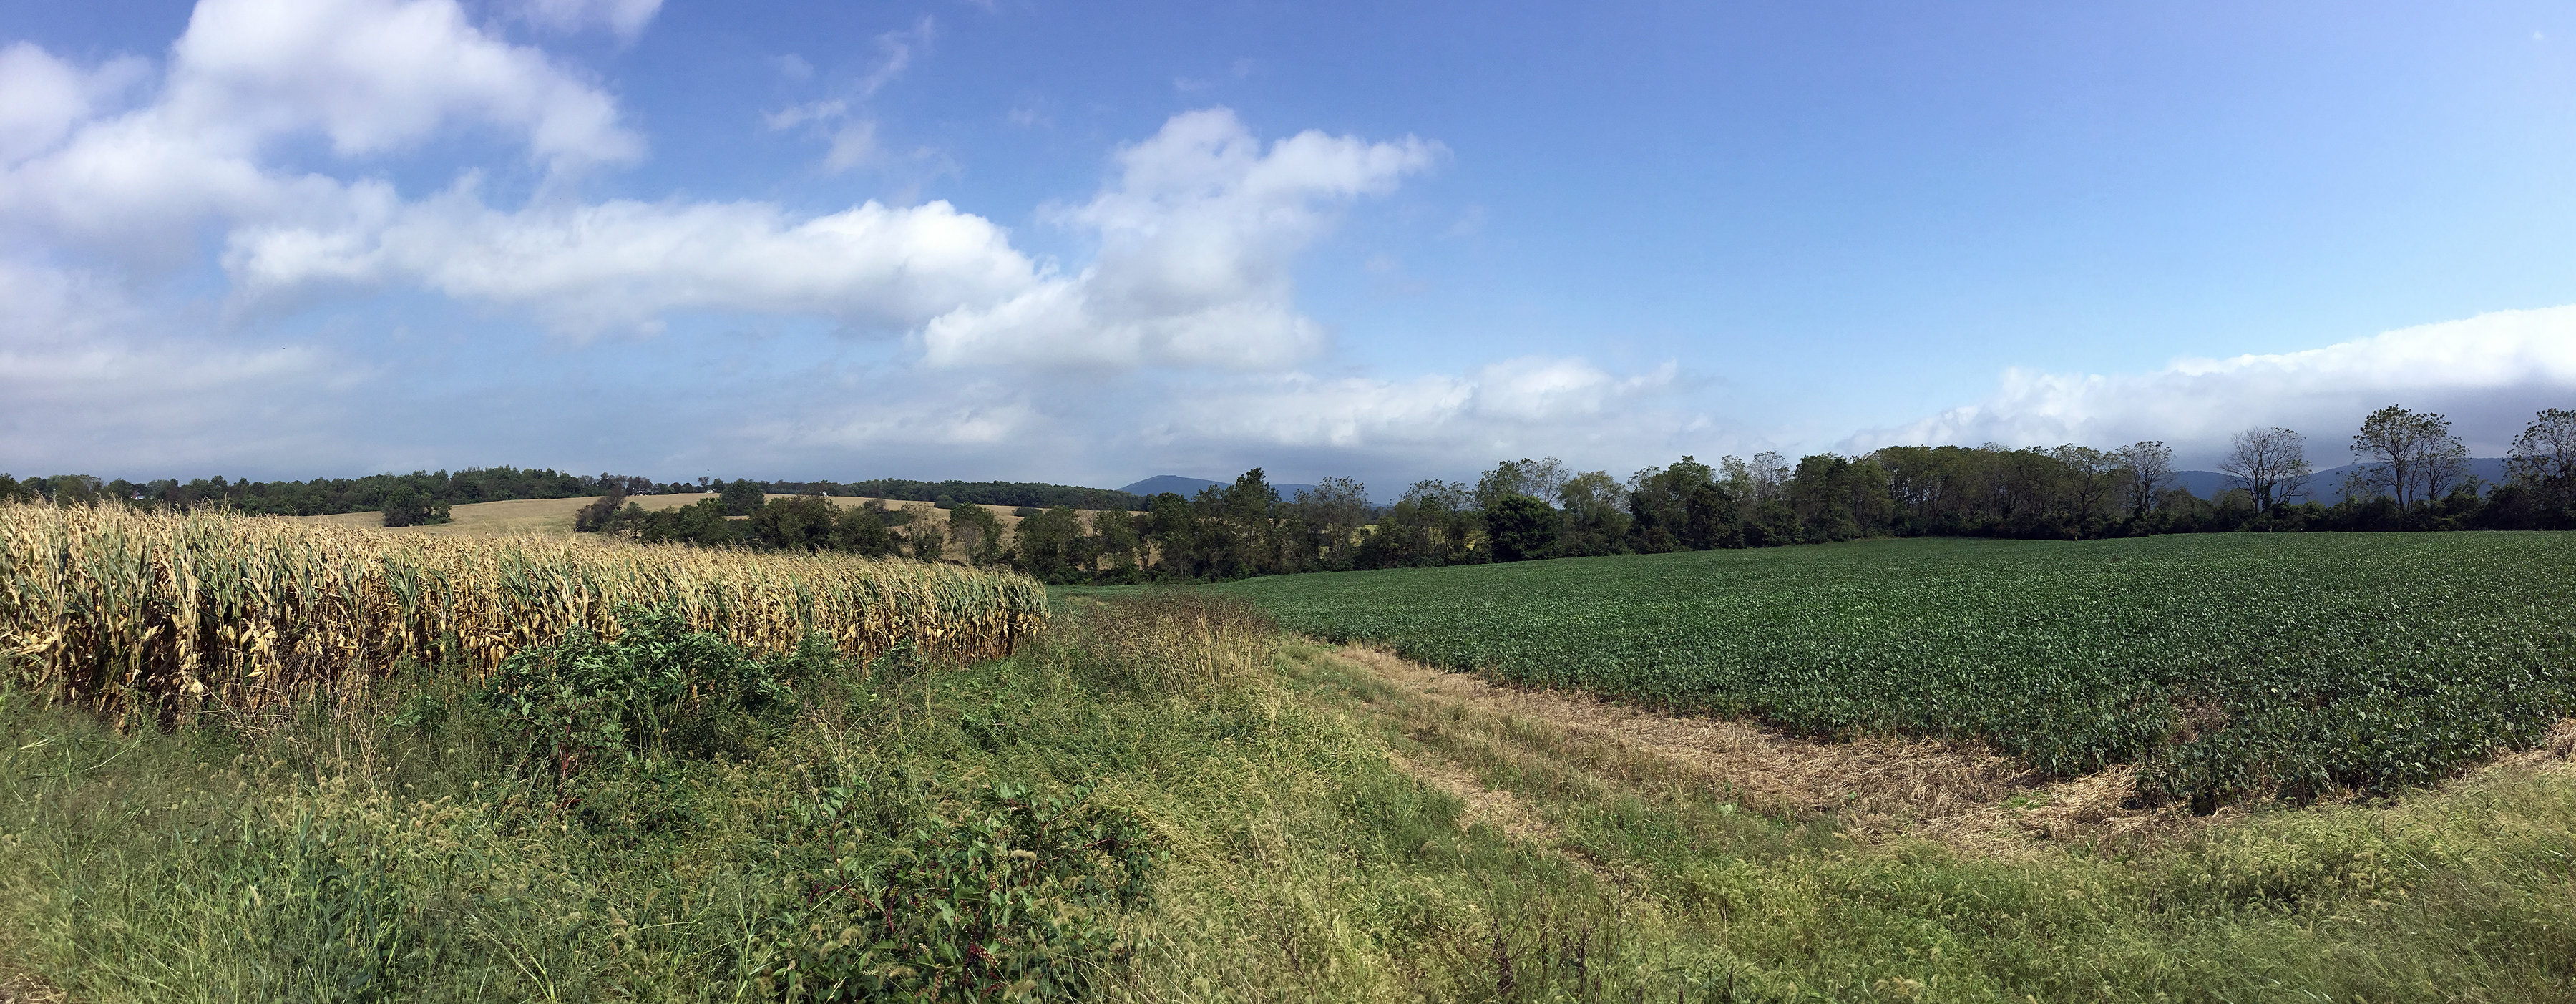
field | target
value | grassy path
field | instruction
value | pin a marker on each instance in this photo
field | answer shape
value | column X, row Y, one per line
column 1771, row 867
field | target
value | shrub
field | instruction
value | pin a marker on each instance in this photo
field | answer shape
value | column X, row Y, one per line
column 407, row 506
column 658, row 690
column 1010, row 900
column 1521, row 527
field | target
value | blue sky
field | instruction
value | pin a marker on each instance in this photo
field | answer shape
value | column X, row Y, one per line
column 1089, row 243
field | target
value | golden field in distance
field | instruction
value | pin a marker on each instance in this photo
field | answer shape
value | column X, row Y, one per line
column 553, row 517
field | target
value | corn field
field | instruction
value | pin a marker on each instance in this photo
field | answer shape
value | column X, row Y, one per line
column 129, row 611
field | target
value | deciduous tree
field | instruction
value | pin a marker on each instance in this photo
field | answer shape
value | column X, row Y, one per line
column 2411, row 455
column 2146, row 469
column 1521, row 527
column 2270, row 464
column 2543, row 459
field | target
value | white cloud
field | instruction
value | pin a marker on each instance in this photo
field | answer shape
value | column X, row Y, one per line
column 1530, row 403
column 378, row 76
column 42, row 97
column 373, row 77
column 87, row 378
column 590, row 268
column 1197, row 236
column 1197, row 239
column 2487, row 372
column 626, row 18
column 1197, row 229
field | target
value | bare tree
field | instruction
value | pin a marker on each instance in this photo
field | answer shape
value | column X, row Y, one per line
column 2270, row 464
column 2088, row 481
column 2411, row 454
column 1536, row 478
column 1544, row 477
column 2148, row 468
column 1336, row 508
column 1770, row 475
column 2543, row 459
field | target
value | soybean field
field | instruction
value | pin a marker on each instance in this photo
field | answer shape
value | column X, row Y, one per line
column 2223, row 667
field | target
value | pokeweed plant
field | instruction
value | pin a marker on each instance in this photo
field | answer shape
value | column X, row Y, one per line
column 658, row 691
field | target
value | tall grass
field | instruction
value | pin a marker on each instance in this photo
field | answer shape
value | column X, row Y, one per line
column 125, row 611
column 347, row 856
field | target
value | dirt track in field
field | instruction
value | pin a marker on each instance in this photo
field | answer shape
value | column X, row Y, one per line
column 1963, row 794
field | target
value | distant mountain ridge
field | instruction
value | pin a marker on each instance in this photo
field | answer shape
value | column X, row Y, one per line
column 2326, row 486
column 1187, row 487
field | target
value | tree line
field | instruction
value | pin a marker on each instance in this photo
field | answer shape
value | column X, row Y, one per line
column 2414, row 476
column 417, row 497
column 426, row 496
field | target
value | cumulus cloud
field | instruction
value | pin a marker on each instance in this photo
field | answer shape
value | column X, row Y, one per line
column 379, row 75
column 1197, row 230
column 372, row 77
column 2489, row 373
column 623, row 264
column 1197, row 236
column 42, row 97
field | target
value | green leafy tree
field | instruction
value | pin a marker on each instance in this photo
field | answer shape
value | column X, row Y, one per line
column 409, row 506
column 1335, row 510
column 597, row 516
column 2411, row 456
column 702, row 523
column 924, row 538
column 742, row 497
column 979, row 534
column 1248, row 511
column 1659, row 502
column 803, row 523
column 1594, row 521
column 1050, row 545
column 1521, row 527
column 862, row 529
column 1172, row 526
column 1118, row 542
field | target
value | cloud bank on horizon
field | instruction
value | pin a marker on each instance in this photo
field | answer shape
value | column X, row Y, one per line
column 2489, row 374
column 329, row 237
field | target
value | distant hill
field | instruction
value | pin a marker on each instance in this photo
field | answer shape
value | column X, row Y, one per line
column 1187, row 487
column 1004, row 493
column 2326, row 486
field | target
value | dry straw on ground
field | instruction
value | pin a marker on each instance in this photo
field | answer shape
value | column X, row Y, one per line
column 123, row 609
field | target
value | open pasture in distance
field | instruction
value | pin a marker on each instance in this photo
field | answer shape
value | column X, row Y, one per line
column 2224, row 667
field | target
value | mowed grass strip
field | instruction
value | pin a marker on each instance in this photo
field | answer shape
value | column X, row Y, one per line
column 2224, row 666
column 125, row 610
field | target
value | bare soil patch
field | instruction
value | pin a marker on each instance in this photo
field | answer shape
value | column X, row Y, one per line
column 26, row 988
column 1493, row 807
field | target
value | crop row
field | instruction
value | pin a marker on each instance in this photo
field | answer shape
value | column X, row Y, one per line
column 2221, row 667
